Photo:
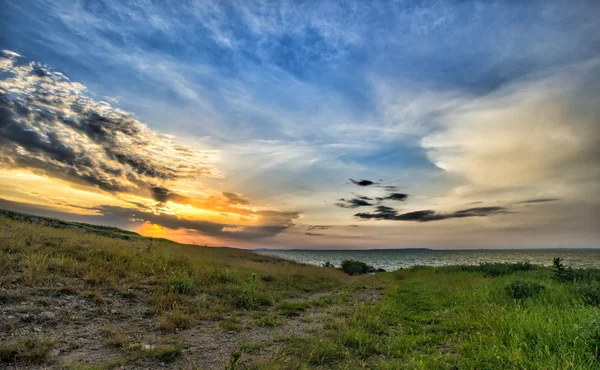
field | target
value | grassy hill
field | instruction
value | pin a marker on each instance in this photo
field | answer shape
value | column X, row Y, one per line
column 84, row 297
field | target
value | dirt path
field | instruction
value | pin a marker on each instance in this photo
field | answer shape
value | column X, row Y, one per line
column 89, row 332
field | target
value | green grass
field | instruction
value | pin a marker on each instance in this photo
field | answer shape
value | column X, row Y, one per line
column 490, row 316
column 288, row 308
column 448, row 318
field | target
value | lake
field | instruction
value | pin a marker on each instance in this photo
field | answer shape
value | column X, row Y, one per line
column 400, row 258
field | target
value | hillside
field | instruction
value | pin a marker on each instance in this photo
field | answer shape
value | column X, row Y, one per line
column 70, row 298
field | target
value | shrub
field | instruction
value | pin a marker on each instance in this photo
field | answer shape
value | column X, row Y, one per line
column 591, row 294
column 354, row 267
column 568, row 274
column 523, row 289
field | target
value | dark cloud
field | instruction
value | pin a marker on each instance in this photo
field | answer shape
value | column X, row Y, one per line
column 539, row 200
column 394, row 196
column 388, row 213
column 49, row 126
column 235, row 198
column 318, row 227
column 313, row 234
column 362, row 182
column 390, row 188
column 207, row 228
column 353, row 203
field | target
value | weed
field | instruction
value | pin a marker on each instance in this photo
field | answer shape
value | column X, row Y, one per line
column 182, row 285
column 175, row 319
column 234, row 360
column 230, row 324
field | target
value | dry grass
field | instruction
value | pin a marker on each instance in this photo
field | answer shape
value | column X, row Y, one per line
column 26, row 349
column 181, row 284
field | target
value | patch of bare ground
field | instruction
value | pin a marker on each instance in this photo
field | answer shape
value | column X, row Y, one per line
column 91, row 330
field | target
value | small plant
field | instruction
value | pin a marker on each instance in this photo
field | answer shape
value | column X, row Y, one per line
column 234, row 360
column 176, row 319
column 328, row 264
column 230, row 324
column 182, row 285
column 523, row 289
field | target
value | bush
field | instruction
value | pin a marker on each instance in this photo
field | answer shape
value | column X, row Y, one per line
column 354, row 267
column 591, row 294
column 523, row 289
column 568, row 274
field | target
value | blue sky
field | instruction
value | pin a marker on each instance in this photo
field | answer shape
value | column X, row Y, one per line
column 452, row 102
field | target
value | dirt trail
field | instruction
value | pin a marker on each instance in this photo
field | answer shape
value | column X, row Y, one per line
column 77, row 325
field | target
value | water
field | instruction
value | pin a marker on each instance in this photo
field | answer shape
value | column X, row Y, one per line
column 394, row 259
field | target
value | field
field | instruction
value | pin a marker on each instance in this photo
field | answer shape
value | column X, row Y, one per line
column 73, row 299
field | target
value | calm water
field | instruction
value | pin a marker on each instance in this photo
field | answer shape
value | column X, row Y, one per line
column 395, row 259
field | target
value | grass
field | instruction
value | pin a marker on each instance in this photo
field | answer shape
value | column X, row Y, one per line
column 490, row 316
column 174, row 274
column 287, row 308
column 30, row 349
column 448, row 318
column 134, row 349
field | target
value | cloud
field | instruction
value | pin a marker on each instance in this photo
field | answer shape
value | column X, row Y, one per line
column 236, row 198
column 313, row 234
column 276, row 223
column 541, row 136
column 49, row 125
column 388, row 213
column 353, row 203
column 362, row 182
column 318, row 227
column 394, row 196
column 539, row 200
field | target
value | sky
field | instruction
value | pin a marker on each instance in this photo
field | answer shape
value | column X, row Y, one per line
column 307, row 124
